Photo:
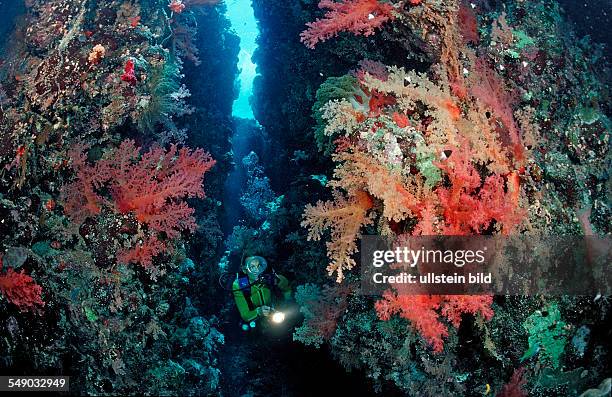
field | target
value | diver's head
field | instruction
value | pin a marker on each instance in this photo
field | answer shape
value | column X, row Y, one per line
column 254, row 266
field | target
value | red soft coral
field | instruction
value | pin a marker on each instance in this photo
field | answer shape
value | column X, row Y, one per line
column 470, row 206
column 468, row 23
column 328, row 308
column 151, row 186
column 378, row 100
column 420, row 310
column 424, row 312
column 456, row 305
column 21, row 290
column 515, row 387
column 129, row 75
column 80, row 198
column 360, row 17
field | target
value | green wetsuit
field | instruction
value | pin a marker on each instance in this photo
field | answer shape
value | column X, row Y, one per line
column 261, row 295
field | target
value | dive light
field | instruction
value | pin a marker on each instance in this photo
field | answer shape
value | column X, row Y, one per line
column 278, row 317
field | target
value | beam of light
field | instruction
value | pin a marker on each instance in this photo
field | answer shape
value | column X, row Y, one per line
column 242, row 17
column 278, row 317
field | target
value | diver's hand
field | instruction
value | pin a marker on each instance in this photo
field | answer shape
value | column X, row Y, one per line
column 264, row 311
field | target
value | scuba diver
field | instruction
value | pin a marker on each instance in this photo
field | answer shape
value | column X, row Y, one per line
column 254, row 289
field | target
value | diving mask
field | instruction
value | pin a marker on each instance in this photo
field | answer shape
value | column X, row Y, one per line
column 255, row 265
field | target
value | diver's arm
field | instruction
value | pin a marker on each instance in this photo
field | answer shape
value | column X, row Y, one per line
column 242, row 305
column 283, row 284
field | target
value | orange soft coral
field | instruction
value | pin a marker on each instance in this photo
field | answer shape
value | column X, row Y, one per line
column 401, row 197
column 96, row 54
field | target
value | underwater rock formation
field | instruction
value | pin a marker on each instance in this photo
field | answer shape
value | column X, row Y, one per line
column 102, row 76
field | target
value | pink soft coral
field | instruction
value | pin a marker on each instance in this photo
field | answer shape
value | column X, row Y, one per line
column 176, row 6
column 361, row 17
column 21, row 290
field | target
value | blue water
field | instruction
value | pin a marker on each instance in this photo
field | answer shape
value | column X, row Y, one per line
column 241, row 16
